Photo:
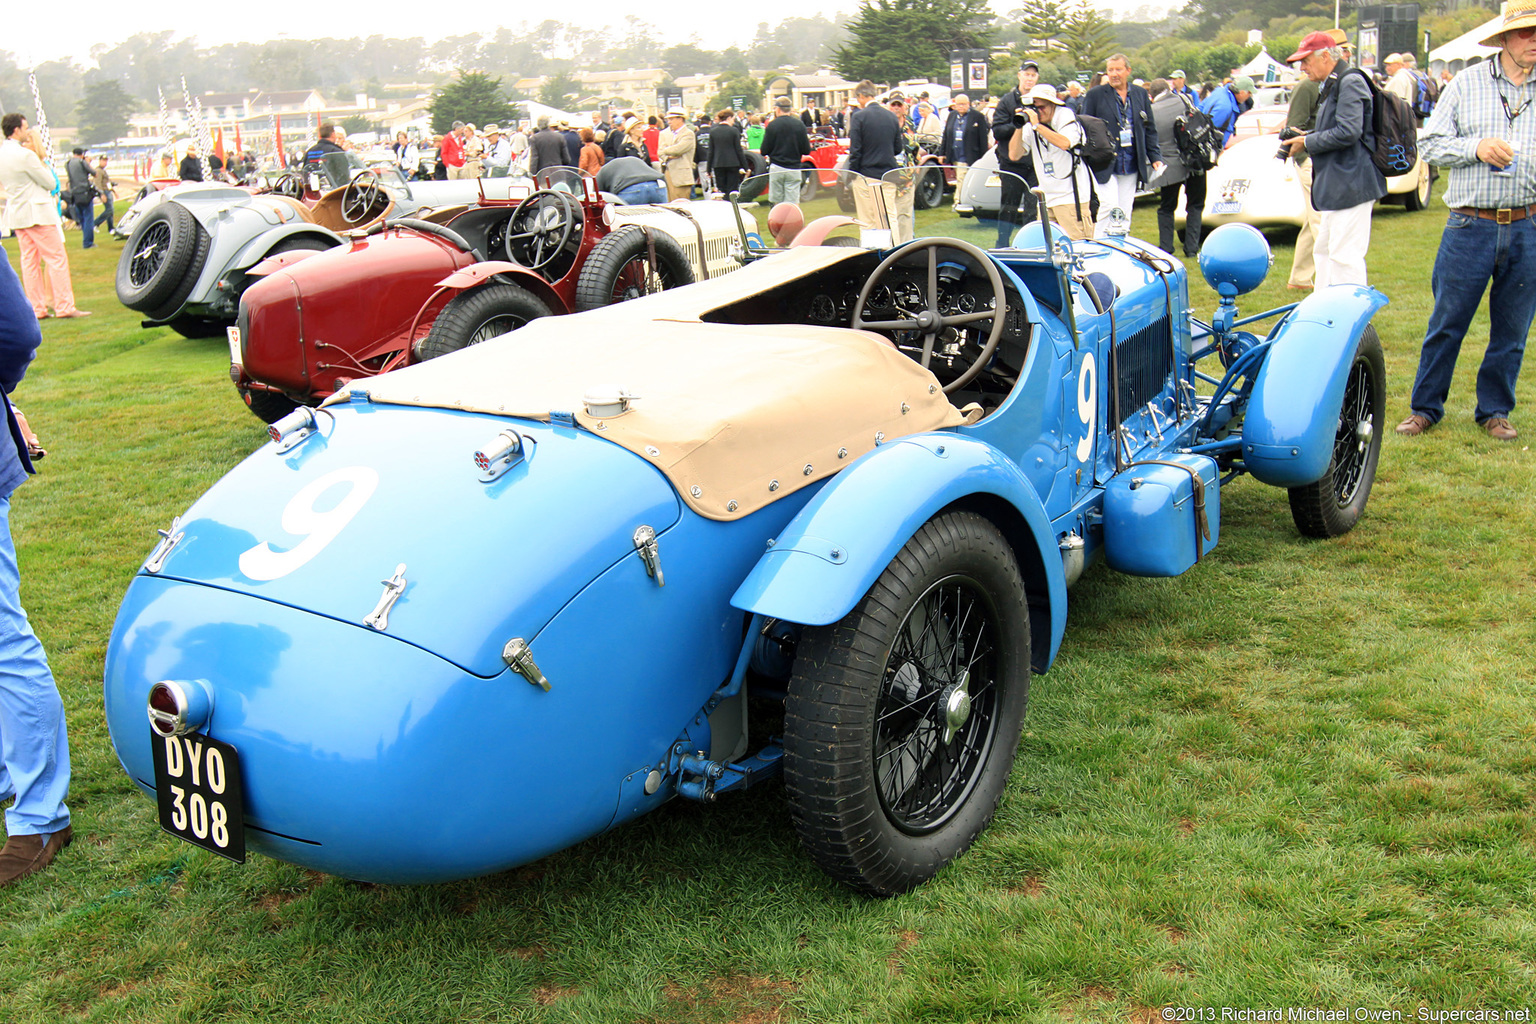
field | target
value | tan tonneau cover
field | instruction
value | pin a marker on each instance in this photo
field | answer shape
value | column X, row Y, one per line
column 736, row 416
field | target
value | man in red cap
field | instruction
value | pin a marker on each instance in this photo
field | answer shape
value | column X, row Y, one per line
column 1345, row 181
column 1483, row 131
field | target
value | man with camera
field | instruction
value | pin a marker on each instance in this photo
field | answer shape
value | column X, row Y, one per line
column 1345, row 180
column 1018, row 176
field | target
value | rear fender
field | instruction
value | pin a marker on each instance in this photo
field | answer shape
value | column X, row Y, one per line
column 830, row 554
column 1292, row 417
column 476, row 274
column 254, row 253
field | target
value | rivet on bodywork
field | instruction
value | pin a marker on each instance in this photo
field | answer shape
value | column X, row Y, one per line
column 808, row 469
column 652, row 450
column 933, row 389
column 696, row 491
column 842, row 453
column 731, row 506
column 879, row 437
column 773, row 485
column 905, row 408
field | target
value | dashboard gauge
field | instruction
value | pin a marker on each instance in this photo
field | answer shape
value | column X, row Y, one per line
column 823, row 308
column 881, row 298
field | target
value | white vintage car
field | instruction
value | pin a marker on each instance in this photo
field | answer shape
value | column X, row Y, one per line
column 1250, row 185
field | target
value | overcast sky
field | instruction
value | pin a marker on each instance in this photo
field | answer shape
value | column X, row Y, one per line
column 38, row 32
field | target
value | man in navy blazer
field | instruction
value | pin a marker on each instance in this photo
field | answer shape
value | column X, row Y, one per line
column 1126, row 111
column 964, row 139
column 1345, row 180
column 874, row 137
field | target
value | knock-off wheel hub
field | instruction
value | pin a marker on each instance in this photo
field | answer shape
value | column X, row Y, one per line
column 957, row 706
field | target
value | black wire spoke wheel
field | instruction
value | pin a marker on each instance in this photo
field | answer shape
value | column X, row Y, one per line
column 902, row 718
column 1331, row 505
column 936, row 716
column 149, row 254
column 486, row 312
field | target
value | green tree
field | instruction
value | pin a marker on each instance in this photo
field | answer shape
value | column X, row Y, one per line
column 891, row 40
column 1088, row 37
column 102, row 113
column 687, row 59
column 558, row 90
column 751, row 89
column 474, row 97
column 1040, row 23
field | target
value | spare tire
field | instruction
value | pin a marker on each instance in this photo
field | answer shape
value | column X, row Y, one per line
column 486, row 312
column 161, row 262
column 757, row 168
column 616, row 268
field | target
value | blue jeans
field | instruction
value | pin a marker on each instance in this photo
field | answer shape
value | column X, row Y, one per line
column 85, row 216
column 642, row 194
column 35, row 766
column 1472, row 251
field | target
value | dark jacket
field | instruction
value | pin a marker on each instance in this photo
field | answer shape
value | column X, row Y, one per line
column 1343, row 174
column 79, row 180
column 19, row 338
column 973, row 137
column 191, row 169
column 874, row 141
column 546, row 148
column 1002, row 130
column 785, row 141
column 572, row 146
column 1103, row 103
column 623, row 171
column 724, row 145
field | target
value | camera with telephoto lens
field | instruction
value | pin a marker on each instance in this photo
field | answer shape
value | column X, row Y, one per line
column 1288, row 132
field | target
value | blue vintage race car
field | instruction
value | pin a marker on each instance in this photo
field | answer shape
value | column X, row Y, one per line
column 477, row 610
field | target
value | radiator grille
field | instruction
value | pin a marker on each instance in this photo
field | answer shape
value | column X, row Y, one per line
column 1144, row 361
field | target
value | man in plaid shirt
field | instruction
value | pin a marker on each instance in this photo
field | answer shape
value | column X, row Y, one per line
column 1484, row 131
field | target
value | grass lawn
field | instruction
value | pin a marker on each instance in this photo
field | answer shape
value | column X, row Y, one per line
column 1301, row 775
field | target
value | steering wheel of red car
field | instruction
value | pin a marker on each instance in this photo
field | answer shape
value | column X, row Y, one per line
column 541, row 227
column 929, row 320
column 361, row 198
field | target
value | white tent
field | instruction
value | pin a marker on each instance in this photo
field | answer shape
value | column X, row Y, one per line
column 1264, row 68
column 537, row 110
column 1464, row 49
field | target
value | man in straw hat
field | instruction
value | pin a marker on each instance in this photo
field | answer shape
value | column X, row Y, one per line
column 1345, row 180
column 1483, row 131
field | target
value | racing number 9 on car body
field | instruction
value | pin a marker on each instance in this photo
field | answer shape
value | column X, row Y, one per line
column 1087, row 404
column 197, row 787
column 302, row 518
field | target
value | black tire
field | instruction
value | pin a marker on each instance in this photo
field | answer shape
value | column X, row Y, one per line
column 928, row 191
column 845, row 197
column 616, row 271
column 869, row 691
column 1330, row 506
column 269, row 406
column 755, row 182
column 488, row 311
column 299, row 243
column 161, row 261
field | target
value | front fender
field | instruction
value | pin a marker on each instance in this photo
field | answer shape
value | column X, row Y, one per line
column 830, row 554
column 477, row 274
column 1292, row 417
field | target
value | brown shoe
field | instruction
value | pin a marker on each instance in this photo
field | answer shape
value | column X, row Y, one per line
column 1414, row 425
column 25, row 855
column 1499, row 429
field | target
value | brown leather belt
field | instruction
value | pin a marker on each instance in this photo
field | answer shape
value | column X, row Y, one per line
column 1507, row 215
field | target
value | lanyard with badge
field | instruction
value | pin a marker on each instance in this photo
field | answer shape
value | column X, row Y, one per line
column 1125, row 122
column 1510, row 114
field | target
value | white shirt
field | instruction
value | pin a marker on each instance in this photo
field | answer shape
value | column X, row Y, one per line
column 1054, row 166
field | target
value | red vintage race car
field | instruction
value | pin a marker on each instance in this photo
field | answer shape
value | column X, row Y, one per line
column 412, row 289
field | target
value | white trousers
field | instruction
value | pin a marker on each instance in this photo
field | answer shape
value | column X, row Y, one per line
column 1119, row 190
column 1343, row 236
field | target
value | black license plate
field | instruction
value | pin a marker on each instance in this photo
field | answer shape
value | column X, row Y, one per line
column 197, row 785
